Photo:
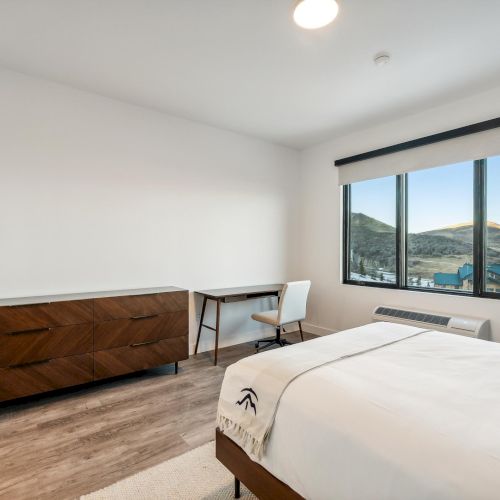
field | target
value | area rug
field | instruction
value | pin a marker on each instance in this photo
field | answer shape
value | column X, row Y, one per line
column 195, row 475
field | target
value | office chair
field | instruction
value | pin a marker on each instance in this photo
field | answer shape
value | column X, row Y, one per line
column 291, row 308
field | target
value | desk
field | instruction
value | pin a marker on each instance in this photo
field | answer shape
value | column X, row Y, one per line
column 227, row 295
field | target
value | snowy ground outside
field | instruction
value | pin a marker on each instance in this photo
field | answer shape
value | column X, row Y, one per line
column 391, row 278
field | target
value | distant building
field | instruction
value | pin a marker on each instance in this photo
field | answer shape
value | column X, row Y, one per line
column 493, row 277
column 447, row 280
column 463, row 279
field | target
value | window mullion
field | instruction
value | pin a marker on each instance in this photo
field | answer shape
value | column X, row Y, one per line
column 479, row 239
column 346, row 200
column 401, row 229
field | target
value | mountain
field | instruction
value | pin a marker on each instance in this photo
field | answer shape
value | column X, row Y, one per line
column 436, row 245
column 464, row 233
column 373, row 243
column 363, row 221
column 374, row 240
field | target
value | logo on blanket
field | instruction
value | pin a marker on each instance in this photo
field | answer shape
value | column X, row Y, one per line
column 248, row 399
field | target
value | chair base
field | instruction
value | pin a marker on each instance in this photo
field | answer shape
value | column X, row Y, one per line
column 270, row 342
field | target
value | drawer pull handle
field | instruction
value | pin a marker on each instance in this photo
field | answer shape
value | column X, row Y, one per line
column 146, row 316
column 25, row 365
column 32, row 330
column 145, row 343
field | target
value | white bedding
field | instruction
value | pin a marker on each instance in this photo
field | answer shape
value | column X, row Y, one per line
column 252, row 387
column 419, row 419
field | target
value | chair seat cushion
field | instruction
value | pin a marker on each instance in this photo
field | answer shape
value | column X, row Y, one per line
column 269, row 317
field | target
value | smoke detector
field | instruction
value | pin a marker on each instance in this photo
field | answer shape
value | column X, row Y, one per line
column 381, row 59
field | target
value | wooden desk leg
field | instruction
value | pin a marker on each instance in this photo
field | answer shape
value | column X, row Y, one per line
column 217, row 325
column 201, row 323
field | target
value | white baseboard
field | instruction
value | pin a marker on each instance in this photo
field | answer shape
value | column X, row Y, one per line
column 317, row 330
column 207, row 343
column 207, row 340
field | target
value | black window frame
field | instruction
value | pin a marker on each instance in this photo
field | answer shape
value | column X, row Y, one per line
column 479, row 238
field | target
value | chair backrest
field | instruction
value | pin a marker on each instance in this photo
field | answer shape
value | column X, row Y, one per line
column 293, row 302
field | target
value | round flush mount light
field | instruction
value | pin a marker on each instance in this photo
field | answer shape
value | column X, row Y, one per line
column 314, row 14
column 381, row 59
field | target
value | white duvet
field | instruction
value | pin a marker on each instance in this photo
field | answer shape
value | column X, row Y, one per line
column 419, row 419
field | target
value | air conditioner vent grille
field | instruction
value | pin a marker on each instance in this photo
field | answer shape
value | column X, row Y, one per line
column 414, row 316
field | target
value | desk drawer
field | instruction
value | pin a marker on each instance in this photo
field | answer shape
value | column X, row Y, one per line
column 46, row 343
column 124, row 332
column 36, row 316
column 121, row 360
column 135, row 306
column 19, row 381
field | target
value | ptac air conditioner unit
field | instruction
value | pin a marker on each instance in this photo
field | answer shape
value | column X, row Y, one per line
column 461, row 325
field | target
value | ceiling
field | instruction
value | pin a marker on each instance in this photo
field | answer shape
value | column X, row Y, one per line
column 243, row 65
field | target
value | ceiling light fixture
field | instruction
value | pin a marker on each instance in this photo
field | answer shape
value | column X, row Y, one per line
column 314, row 14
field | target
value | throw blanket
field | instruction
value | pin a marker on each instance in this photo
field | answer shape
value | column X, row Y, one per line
column 252, row 387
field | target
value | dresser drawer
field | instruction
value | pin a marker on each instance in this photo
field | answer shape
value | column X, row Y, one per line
column 123, row 332
column 121, row 360
column 35, row 345
column 135, row 306
column 33, row 317
column 19, row 381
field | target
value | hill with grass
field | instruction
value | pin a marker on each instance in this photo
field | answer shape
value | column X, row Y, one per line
column 440, row 250
column 464, row 233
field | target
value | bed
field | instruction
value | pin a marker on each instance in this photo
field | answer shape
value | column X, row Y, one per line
column 386, row 412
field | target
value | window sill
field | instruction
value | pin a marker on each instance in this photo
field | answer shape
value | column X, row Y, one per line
column 456, row 293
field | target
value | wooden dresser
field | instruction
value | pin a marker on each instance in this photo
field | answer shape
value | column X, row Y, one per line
column 51, row 342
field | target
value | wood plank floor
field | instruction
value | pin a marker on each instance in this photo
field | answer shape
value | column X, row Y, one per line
column 82, row 439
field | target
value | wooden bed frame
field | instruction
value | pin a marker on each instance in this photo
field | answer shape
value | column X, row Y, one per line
column 258, row 480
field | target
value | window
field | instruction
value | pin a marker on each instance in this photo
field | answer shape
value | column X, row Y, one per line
column 372, row 226
column 440, row 228
column 433, row 230
column 492, row 281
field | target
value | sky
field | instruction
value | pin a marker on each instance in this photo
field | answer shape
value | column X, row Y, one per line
column 437, row 197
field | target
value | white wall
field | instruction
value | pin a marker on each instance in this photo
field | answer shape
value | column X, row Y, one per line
column 335, row 306
column 96, row 194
